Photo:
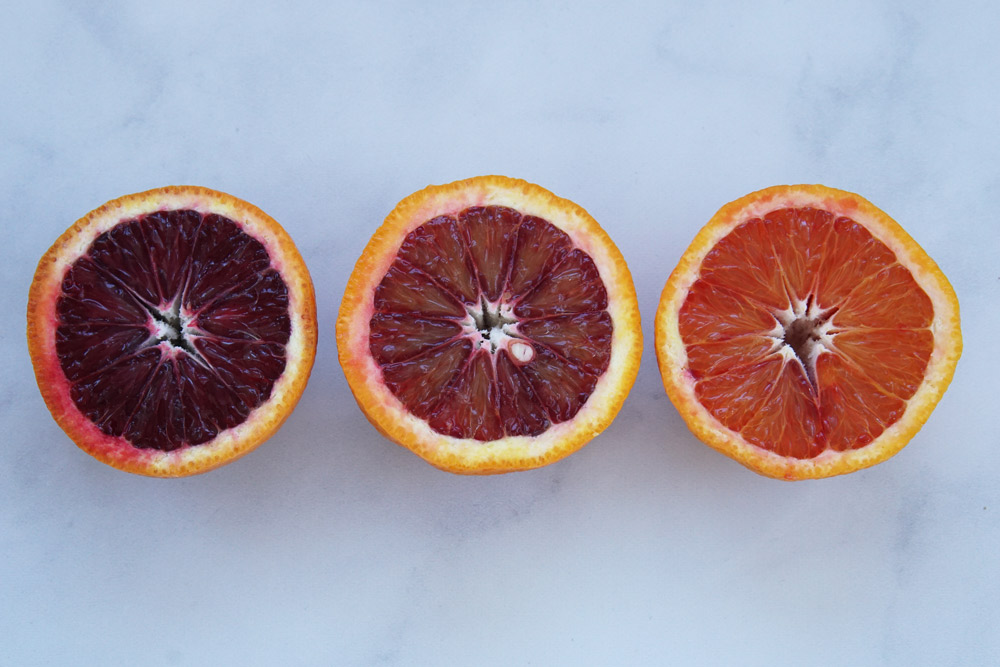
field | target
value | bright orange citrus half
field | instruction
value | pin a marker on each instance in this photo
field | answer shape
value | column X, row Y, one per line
column 805, row 334
column 172, row 331
column 489, row 326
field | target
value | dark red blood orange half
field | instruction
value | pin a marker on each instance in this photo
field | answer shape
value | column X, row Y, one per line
column 172, row 331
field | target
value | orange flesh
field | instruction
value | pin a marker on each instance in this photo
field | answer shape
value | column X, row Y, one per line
column 490, row 324
column 803, row 333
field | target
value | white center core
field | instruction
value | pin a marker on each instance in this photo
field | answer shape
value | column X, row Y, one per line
column 163, row 329
column 493, row 327
column 810, row 319
column 172, row 329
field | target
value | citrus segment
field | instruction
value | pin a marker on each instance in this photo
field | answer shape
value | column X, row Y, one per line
column 418, row 382
column 407, row 289
column 540, row 247
column 490, row 232
column 894, row 360
column 805, row 334
column 482, row 321
column 469, row 406
column 571, row 286
column 171, row 330
column 584, row 337
column 522, row 413
column 400, row 337
column 437, row 246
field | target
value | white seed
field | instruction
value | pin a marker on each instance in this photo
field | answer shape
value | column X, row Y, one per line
column 522, row 351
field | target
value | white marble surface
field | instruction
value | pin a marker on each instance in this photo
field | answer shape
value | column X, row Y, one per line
column 331, row 546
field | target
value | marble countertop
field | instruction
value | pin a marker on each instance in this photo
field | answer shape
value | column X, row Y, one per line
column 330, row 545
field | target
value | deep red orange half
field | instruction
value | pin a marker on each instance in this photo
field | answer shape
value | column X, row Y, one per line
column 489, row 326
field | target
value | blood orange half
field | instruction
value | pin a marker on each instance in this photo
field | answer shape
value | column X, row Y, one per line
column 805, row 334
column 172, row 331
column 489, row 326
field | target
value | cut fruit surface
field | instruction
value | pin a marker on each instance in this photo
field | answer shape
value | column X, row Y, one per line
column 805, row 334
column 489, row 326
column 172, row 331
